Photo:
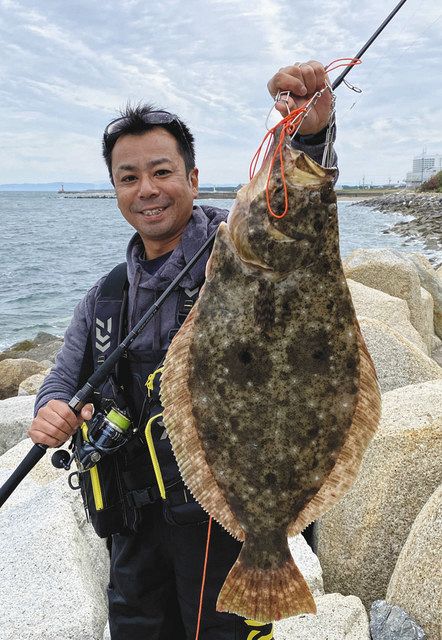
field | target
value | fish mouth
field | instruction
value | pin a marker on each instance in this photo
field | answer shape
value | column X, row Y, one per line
column 257, row 234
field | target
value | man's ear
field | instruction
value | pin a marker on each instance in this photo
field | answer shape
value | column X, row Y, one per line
column 193, row 179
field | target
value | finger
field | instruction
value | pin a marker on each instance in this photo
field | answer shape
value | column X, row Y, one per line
column 309, row 78
column 288, row 79
column 44, row 434
column 87, row 411
column 66, row 425
column 64, row 412
column 54, row 428
column 320, row 72
column 285, row 106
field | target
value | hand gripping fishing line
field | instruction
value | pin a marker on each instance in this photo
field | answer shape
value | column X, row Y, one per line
column 289, row 127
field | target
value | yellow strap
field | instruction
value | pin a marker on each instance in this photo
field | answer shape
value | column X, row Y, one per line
column 255, row 635
column 153, row 454
column 95, row 478
column 151, row 380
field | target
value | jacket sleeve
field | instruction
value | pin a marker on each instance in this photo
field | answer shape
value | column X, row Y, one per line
column 62, row 381
column 314, row 146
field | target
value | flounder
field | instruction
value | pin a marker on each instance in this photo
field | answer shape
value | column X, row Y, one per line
column 270, row 396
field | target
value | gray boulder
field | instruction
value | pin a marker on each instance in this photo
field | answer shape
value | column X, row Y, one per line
column 432, row 283
column 43, row 473
column 53, row 568
column 359, row 540
column 43, row 347
column 437, row 355
column 416, row 583
column 391, row 273
column 388, row 622
column 31, row 385
column 308, row 564
column 15, row 419
column 338, row 618
column 394, row 312
column 428, row 317
column 398, row 361
column 13, row 372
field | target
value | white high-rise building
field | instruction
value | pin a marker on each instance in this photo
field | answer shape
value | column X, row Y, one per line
column 424, row 166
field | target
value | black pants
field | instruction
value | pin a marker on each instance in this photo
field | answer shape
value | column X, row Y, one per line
column 155, row 583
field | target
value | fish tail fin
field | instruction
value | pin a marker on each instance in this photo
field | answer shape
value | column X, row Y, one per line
column 265, row 594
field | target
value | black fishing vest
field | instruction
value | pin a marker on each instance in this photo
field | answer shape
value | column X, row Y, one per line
column 117, row 489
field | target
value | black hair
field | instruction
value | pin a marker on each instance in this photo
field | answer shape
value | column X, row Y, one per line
column 133, row 122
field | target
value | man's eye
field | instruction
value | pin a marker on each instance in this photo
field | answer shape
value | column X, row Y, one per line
column 128, row 178
column 162, row 172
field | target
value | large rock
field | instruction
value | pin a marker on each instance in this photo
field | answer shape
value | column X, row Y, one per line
column 432, row 283
column 428, row 314
column 43, row 473
column 338, row 618
column 394, row 312
column 387, row 271
column 359, row 540
column 389, row 622
column 15, row 419
column 12, row 372
column 53, row 568
column 43, row 347
column 308, row 564
column 437, row 355
column 31, row 385
column 416, row 583
column 398, row 361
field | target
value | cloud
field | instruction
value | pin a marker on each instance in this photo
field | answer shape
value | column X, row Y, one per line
column 68, row 67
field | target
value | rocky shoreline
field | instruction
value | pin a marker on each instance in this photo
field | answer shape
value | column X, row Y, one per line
column 376, row 572
column 426, row 209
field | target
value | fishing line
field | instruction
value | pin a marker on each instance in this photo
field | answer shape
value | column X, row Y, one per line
column 203, row 580
column 425, row 29
column 289, row 126
column 404, row 51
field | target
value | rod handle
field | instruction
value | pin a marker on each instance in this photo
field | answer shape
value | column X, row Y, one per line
column 29, row 461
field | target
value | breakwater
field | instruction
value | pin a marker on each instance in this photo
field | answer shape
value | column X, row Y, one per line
column 426, row 212
column 228, row 195
column 110, row 194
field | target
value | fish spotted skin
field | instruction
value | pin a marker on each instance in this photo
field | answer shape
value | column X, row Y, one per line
column 271, row 358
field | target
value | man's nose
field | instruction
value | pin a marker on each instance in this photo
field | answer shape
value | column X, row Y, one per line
column 147, row 187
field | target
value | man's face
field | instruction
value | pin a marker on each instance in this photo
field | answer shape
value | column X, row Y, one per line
column 154, row 192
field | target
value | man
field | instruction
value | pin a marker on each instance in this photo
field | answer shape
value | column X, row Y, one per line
column 158, row 542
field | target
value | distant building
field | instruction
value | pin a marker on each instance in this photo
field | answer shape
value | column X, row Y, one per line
column 424, row 166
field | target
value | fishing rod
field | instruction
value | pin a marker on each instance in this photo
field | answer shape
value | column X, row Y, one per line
column 101, row 374
column 369, row 42
column 97, row 378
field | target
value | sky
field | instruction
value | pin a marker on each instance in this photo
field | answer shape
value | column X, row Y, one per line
column 67, row 67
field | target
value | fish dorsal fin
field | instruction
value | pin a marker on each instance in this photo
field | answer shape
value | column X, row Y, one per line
column 181, row 428
column 364, row 424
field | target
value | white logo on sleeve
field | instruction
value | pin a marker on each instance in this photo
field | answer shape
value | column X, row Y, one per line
column 102, row 333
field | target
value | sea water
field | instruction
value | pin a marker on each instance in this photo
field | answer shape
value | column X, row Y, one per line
column 55, row 248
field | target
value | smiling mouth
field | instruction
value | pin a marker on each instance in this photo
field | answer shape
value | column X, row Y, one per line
column 152, row 213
